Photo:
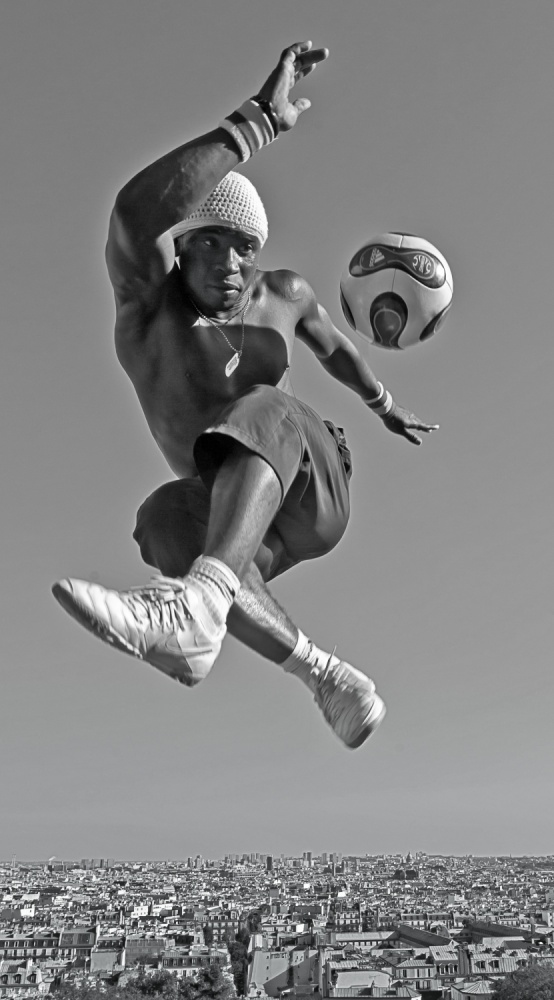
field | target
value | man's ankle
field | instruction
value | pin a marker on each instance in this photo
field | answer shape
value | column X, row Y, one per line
column 307, row 661
column 217, row 584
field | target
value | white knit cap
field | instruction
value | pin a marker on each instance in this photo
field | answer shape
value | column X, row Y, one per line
column 234, row 203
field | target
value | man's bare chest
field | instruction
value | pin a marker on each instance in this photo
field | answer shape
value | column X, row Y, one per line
column 183, row 353
column 181, row 373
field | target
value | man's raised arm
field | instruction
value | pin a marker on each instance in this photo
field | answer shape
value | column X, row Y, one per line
column 140, row 252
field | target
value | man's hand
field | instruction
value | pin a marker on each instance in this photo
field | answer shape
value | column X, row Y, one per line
column 401, row 421
column 295, row 63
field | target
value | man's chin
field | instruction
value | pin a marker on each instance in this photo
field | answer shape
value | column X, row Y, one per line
column 224, row 298
column 215, row 298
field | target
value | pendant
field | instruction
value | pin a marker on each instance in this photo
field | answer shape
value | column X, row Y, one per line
column 232, row 364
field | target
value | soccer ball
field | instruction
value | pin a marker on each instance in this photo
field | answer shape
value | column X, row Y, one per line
column 396, row 290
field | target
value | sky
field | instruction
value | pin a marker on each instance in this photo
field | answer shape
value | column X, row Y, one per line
column 432, row 117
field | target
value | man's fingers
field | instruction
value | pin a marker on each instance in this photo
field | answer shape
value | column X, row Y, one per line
column 293, row 52
column 303, row 56
column 418, row 425
column 297, row 48
column 315, row 56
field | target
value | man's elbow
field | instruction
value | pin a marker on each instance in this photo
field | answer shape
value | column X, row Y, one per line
column 123, row 211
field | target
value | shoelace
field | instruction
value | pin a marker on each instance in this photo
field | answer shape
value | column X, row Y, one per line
column 325, row 694
column 164, row 603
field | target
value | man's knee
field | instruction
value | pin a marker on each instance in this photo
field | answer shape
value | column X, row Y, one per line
column 171, row 526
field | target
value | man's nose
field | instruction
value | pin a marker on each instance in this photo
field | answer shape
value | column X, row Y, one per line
column 229, row 261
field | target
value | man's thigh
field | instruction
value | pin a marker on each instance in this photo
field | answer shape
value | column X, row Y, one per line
column 171, row 530
column 309, row 457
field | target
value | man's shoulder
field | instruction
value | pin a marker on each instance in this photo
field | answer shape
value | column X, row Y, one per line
column 288, row 285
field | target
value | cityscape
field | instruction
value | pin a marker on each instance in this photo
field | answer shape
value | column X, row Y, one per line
column 327, row 925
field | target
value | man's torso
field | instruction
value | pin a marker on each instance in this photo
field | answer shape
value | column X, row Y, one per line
column 176, row 361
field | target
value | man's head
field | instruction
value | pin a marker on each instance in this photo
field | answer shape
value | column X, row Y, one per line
column 219, row 244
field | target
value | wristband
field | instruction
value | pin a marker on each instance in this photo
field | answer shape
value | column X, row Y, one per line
column 384, row 410
column 378, row 399
column 269, row 113
column 381, row 404
column 251, row 127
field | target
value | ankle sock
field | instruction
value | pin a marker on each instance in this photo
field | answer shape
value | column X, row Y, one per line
column 218, row 586
column 307, row 660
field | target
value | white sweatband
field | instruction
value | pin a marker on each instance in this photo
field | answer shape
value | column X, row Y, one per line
column 382, row 403
column 250, row 127
column 386, row 407
column 378, row 399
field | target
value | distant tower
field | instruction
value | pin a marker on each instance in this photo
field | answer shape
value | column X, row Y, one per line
column 269, row 863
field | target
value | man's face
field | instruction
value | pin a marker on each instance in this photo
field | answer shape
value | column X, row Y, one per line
column 218, row 265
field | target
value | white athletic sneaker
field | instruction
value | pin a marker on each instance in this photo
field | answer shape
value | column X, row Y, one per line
column 349, row 702
column 165, row 623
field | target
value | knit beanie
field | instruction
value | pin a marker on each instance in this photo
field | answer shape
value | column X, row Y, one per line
column 234, row 203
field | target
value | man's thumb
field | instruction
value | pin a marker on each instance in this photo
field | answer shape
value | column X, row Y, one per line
column 302, row 104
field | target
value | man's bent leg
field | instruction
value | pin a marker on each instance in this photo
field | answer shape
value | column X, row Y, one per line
column 171, row 529
column 346, row 696
column 257, row 620
column 171, row 533
column 245, row 497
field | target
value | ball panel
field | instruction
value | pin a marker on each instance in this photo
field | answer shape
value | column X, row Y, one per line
column 420, row 299
column 355, row 293
column 388, row 317
column 423, row 305
column 435, row 324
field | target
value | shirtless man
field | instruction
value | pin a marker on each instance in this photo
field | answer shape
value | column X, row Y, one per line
column 261, row 482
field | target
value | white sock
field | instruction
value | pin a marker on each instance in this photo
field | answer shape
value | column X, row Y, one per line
column 307, row 660
column 218, row 586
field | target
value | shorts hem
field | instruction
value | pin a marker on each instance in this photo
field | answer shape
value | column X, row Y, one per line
column 258, row 447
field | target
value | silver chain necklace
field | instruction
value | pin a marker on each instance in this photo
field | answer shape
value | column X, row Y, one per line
column 237, row 355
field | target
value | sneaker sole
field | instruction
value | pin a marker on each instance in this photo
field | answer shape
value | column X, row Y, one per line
column 372, row 723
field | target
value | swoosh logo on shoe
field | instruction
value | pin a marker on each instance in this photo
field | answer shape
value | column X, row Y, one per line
column 171, row 645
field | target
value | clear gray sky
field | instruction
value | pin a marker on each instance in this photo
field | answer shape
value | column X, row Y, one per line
column 430, row 116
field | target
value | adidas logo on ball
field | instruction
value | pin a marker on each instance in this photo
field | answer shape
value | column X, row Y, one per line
column 376, row 257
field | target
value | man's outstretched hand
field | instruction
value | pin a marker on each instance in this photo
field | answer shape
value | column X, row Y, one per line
column 401, row 421
column 295, row 63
